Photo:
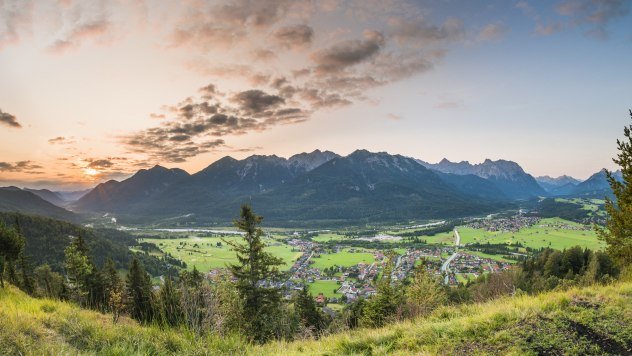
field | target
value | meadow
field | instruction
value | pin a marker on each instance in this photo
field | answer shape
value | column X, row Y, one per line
column 591, row 320
column 328, row 288
column 206, row 253
column 552, row 232
column 344, row 258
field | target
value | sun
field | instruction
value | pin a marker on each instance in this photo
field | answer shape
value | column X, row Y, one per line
column 90, row 172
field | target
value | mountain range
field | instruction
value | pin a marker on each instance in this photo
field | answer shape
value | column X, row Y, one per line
column 321, row 185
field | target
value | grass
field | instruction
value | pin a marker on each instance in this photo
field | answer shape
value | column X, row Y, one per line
column 325, row 287
column 591, row 320
column 537, row 236
column 203, row 252
column 344, row 258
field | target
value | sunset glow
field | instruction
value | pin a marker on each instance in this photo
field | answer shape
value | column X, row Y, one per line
column 120, row 86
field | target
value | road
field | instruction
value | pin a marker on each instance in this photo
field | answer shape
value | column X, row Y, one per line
column 445, row 268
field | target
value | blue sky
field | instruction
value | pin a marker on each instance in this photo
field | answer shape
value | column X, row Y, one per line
column 94, row 90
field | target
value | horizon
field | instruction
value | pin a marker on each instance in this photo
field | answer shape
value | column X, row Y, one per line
column 71, row 188
column 97, row 90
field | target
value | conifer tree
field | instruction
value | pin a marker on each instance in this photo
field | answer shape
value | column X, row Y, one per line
column 78, row 268
column 308, row 313
column 11, row 245
column 139, row 294
column 255, row 271
column 170, row 308
column 618, row 231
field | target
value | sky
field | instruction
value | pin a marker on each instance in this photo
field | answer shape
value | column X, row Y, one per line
column 96, row 90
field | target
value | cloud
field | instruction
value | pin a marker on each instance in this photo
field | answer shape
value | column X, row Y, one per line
column 254, row 102
column 61, row 140
column 348, row 53
column 393, row 117
column 100, row 164
column 296, row 36
column 15, row 18
column 20, row 167
column 9, row 120
column 196, row 125
column 492, row 32
column 419, row 32
column 593, row 15
column 449, row 105
column 80, row 33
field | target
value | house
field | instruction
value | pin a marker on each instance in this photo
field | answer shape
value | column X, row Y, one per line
column 320, row 299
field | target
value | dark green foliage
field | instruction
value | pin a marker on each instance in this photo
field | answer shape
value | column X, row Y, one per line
column 140, row 302
column 618, row 231
column 383, row 307
column 550, row 208
column 11, row 246
column 255, row 269
column 309, row 315
column 49, row 284
column 46, row 239
column 545, row 271
column 169, row 303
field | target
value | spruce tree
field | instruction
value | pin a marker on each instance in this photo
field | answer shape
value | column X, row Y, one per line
column 139, row 294
column 308, row 313
column 618, row 231
column 255, row 271
column 79, row 267
column 170, row 308
column 11, row 245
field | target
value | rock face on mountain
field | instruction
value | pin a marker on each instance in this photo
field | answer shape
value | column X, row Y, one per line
column 316, row 185
column 562, row 185
column 18, row 200
column 507, row 176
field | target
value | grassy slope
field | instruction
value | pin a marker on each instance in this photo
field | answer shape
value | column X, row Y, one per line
column 579, row 321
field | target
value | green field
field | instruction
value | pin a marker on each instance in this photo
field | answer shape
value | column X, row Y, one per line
column 203, row 253
column 326, row 237
column 344, row 258
column 547, row 233
column 325, row 287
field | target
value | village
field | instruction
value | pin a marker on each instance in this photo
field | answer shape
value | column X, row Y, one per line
column 358, row 281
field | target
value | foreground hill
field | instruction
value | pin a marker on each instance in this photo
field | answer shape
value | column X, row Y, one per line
column 46, row 239
column 27, row 202
column 594, row 320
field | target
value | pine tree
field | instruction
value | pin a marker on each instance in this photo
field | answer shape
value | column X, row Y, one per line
column 254, row 270
column 78, row 268
column 618, row 231
column 308, row 313
column 11, row 245
column 139, row 294
column 170, row 308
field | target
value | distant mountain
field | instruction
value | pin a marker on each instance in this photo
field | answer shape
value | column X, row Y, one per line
column 562, row 185
column 507, row 176
column 316, row 186
column 160, row 191
column 596, row 186
column 473, row 185
column 49, row 196
column 73, row 195
column 13, row 199
column 370, row 186
column 114, row 196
